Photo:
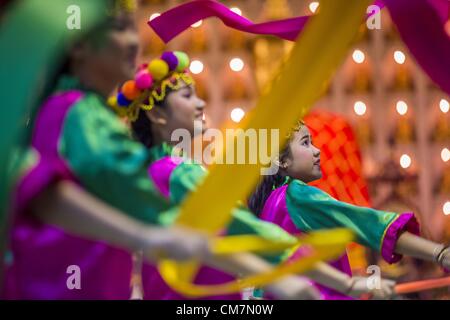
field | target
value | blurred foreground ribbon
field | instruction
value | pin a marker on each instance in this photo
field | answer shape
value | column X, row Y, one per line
column 312, row 58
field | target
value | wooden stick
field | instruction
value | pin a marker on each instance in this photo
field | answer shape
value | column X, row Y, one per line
column 422, row 285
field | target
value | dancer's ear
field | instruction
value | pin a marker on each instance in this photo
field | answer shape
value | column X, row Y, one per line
column 284, row 164
column 281, row 164
column 157, row 116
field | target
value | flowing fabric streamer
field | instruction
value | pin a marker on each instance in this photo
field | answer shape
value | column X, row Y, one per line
column 174, row 21
column 327, row 245
column 33, row 35
column 312, row 59
column 420, row 23
column 421, row 27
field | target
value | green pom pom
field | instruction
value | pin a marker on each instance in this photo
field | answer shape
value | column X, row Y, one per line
column 183, row 60
column 158, row 68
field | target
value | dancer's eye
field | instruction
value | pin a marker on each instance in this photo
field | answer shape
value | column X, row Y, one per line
column 187, row 93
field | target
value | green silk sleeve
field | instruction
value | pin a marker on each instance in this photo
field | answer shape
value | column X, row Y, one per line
column 187, row 176
column 312, row 209
column 100, row 152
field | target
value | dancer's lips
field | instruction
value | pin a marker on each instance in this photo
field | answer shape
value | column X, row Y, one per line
column 317, row 163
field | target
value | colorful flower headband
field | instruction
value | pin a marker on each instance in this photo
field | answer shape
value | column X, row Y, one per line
column 151, row 83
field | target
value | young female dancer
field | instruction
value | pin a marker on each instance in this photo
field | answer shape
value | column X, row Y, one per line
column 43, row 254
column 286, row 199
column 77, row 138
column 160, row 100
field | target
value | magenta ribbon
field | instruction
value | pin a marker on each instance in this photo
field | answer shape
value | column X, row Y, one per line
column 420, row 23
column 176, row 20
column 421, row 27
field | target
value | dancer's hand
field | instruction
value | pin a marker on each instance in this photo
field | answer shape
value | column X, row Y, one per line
column 175, row 243
column 293, row 288
column 445, row 260
column 359, row 286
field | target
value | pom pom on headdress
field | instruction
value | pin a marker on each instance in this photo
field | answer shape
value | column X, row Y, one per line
column 151, row 84
column 121, row 111
column 183, row 61
column 122, row 100
column 171, row 59
column 158, row 68
column 130, row 90
column 112, row 101
column 143, row 80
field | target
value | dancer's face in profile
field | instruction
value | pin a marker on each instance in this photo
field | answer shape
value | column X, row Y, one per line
column 111, row 50
column 183, row 109
column 303, row 162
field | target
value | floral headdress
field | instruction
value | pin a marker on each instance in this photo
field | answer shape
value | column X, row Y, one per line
column 151, row 84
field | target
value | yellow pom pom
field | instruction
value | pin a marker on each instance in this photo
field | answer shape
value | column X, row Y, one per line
column 112, row 101
column 158, row 69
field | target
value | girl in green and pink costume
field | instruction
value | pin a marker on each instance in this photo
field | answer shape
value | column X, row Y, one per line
column 160, row 100
column 77, row 138
column 156, row 85
column 287, row 200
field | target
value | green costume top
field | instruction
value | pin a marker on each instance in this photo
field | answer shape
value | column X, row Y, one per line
column 176, row 178
column 96, row 149
column 297, row 206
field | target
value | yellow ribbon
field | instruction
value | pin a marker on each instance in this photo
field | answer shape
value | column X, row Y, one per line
column 248, row 243
column 327, row 245
column 301, row 81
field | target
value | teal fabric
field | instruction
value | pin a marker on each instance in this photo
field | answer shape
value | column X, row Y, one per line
column 33, row 37
column 187, row 176
column 312, row 209
column 22, row 160
column 97, row 148
column 258, row 293
column 162, row 150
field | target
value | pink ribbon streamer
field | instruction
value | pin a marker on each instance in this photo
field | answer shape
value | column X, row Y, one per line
column 420, row 23
column 174, row 21
column 421, row 27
